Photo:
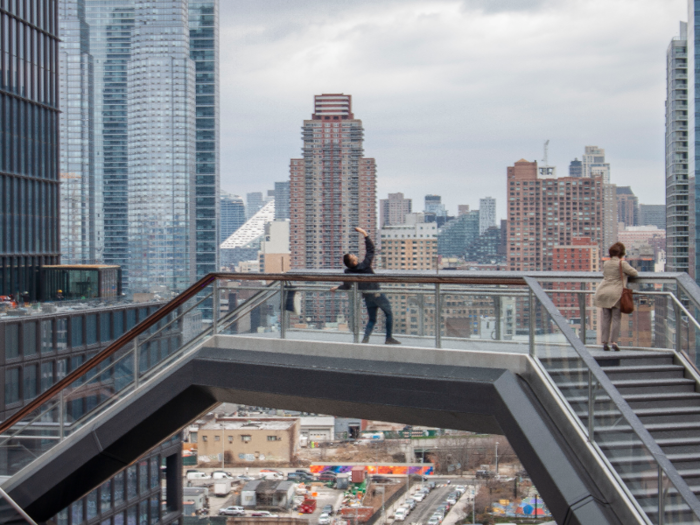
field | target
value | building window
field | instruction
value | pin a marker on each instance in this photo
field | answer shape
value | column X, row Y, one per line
column 216, row 438
column 119, row 488
column 29, row 376
column 131, row 484
column 29, row 338
column 143, row 512
column 204, row 438
column 91, row 329
column 91, row 505
column 106, row 496
column 46, row 376
column 11, row 386
column 11, row 341
column 230, row 439
column 131, row 516
column 46, row 337
column 62, row 333
column 274, row 438
column 76, row 512
column 245, row 438
column 76, row 329
column 143, row 476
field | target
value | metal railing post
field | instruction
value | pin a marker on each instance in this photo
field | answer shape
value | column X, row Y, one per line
column 421, row 315
column 215, row 307
column 438, row 315
column 356, row 313
column 497, row 308
column 61, row 405
column 582, row 309
column 662, row 510
column 136, row 363
column 679, row 330
column 531, row 313
column 283, row 311
column 591, row 407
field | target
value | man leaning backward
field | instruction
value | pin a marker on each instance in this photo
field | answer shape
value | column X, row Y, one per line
column 374, row 300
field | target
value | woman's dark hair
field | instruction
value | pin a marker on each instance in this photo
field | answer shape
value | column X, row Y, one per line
column 347, row 260
column 617, row 250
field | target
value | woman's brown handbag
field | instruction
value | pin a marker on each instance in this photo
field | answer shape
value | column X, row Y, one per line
column 626, row 301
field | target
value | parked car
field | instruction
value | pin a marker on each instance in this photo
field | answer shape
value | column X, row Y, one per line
column 434, row 520
column 400, row 514
column 381, row 479
column 431, row 485
column 461, row 489
column 327, row 509
column 232, row 511
column 198, row 475
column 262, row 514
column 328, row 475
column 220, row 474
column 300, row 476
column 274, row 476
column 452, row 498
column 244, row 478
column 324, row 519
column 419, row 496
column 411, row 503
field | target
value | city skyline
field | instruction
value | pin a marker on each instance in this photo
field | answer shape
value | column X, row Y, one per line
column 603, row 91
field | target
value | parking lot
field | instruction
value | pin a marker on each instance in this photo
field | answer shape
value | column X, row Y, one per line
column 425, row 509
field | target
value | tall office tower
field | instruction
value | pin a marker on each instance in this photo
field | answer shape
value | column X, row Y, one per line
column 627, row 206
column 610, row 216
column 393, row 210
column 161, row 151
column 29, row 138
column 487, row 214
column 254, row 203
column 462, row 209
column 333, row 188
column 106, row 52
column 81, row 224
column 576, row 168
column 232, row 215
column 653, row 214
column 679, row 223
column 594, row 164
column 458, row 234
column 281, row 200
column 575, row 205
column 204, row 52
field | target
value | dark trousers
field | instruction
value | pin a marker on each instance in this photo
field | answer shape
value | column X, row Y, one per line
column 373, row 301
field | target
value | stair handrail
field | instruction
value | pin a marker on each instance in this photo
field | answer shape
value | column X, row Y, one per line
column 635, row 424
column 115, row 346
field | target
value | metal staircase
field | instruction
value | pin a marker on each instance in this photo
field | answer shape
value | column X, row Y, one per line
column 631, row 418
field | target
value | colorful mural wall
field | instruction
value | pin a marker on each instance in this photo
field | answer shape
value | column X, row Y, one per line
column 525, row 508
column 421, row 470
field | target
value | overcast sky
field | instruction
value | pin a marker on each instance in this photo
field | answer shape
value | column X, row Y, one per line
column 450, row 92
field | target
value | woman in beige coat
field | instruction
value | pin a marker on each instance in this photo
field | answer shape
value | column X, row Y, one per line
column 608, row 294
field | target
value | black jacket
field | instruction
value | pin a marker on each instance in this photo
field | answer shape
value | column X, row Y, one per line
column 364, row 267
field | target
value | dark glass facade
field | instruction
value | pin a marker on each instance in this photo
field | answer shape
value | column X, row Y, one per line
column 39, row 349
column 29, row 225
column 204, row 51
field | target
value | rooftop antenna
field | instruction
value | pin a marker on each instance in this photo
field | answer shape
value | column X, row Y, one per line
column 546, row 150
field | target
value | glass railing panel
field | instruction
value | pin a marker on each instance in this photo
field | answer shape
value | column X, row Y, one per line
column 673, row 508
column 80, row 402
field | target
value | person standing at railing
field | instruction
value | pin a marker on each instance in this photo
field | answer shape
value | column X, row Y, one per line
column 609, row 292
column 374, row 300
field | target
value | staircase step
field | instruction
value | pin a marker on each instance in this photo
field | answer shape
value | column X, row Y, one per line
column 642, row 371
column 680, row 445
column 657, row 430
column 629, row 463
column 691, row 476
column 634, row 386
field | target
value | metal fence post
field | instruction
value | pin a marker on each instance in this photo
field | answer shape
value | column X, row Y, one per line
column 531, row 313
column 356, row 313
column 582, row 307
column 438, row 315
column 421, row 315
column 283, row 311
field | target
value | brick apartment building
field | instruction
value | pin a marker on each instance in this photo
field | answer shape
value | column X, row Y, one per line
column 548, row 212
column 332, row 190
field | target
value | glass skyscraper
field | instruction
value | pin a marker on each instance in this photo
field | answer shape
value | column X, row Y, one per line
column 29, row 185
column 140, row 169
column 204, row 51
